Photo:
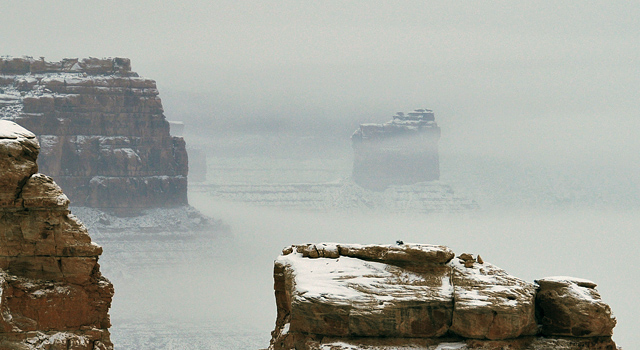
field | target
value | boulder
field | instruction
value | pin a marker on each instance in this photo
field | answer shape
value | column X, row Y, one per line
column 569, row 306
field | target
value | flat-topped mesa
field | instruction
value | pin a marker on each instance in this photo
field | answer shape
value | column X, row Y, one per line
column 52, row 289
column 91, row 66
column 418, row 296
column 403, row 151
column 102, row 130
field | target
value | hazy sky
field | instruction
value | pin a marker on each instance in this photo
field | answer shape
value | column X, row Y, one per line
column 502, row 74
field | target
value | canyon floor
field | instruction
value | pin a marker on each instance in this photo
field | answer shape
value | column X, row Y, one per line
column 214, row 289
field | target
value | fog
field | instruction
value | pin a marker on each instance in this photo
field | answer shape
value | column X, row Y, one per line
column 537, row 102
column 223, row 292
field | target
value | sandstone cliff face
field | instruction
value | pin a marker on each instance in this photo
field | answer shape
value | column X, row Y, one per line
column 403, row 151
column 416, row 296
column 52, row 295
column 103, row 134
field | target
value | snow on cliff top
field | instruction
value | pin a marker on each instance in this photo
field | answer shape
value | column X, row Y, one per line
column 355, row 280
column 569, row 280
column 11, row 130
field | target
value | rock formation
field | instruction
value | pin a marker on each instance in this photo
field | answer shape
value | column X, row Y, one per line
column 101, row 127
column 572, row 307
column 418, row 296
column 403, row 151
column 52, row 293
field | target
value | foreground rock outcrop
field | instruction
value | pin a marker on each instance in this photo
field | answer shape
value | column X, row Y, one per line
column 101, row 127
column 403, row 151
column 52, row 293
column 418, row 296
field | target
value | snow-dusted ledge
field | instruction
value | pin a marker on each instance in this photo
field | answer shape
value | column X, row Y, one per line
column 419, row 296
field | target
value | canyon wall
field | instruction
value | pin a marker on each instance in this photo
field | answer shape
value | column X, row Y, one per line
column 417, row 296
column 52, row 295
column 102, row 131
column 403, row 151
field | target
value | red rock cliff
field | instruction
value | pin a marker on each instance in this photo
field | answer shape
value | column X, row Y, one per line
column 103, row 134
column 52, row 293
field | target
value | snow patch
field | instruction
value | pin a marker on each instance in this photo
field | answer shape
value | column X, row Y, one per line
column 451, row 346
column 354, row 280
column 11, row 130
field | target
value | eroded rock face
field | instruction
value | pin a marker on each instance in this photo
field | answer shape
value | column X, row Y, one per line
column 418, row 296
column 569, row 306
column 103, row 134
column 52, row 289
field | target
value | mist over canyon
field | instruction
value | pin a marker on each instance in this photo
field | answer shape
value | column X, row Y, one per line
column 526, row 217
column 538, row 154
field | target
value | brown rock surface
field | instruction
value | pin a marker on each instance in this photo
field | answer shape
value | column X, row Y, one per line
column 524, row 343
column 570, row 306
column 21, row 144
column 351, row 297
column 490, row 303
column 103, row 134
column 409, row 296
column 52, row 289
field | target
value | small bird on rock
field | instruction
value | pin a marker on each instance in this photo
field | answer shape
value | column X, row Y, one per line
column 399, row 242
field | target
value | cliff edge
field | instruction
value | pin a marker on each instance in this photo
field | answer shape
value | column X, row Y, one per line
column 102, row 130
column 52, row 295
column 417, row 296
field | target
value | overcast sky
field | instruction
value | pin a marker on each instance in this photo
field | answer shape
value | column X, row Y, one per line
column 553, row 67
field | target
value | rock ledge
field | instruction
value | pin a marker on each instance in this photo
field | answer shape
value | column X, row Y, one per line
column 418, row 296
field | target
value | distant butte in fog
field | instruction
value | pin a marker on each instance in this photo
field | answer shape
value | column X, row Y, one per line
column 395, row 168
column 403, row 151
column 418, row 296
column 102, row 130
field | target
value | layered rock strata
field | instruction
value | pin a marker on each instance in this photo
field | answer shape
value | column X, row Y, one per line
column 52, row 293
column 424, row 197
column 346, row 296
column 101, row 127
column 403, row 151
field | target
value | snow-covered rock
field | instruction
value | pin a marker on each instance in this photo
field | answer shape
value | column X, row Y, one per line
column 182, row 221
column 570, row 306
column 409, row 296
column 19, row 149
column 490, row 303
